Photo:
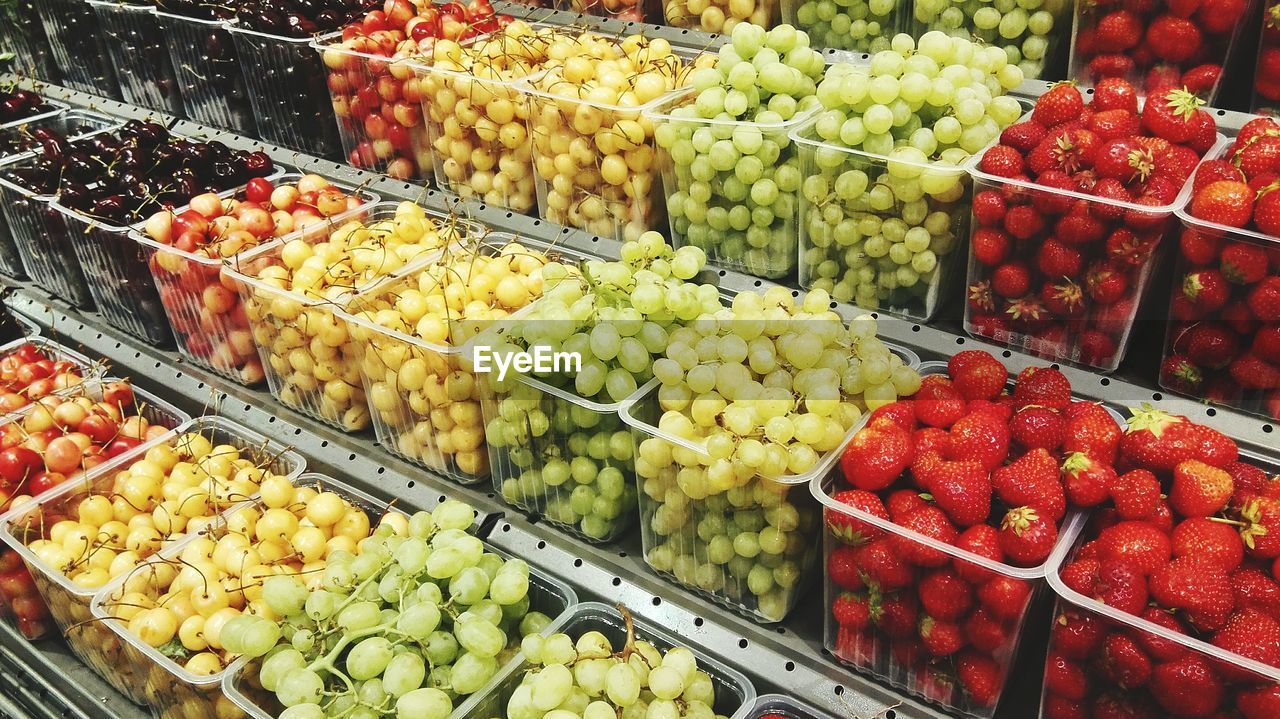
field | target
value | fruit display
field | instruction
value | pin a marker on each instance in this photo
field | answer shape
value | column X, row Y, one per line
column 950, row 505
column 1223, row 340
column 478, row 119
column 730, row 173
column 720, row 16
column 179, row 620
column 1158, row 45
column 185, row 250
column 145, row 168
column 205, row 63
column 289, row 290
column 1167, row 601
column 22, row 34
column 18, row 105
column 780, row 706
column 54, row 442
column 851, row 25
column 137, row 49
column 754, row 400
column 377, row 96
column 555, row 423
column 1069, row 209
column 884, row 195
column 625, row 10
column 1266, row 83
column 602, row 656
column 592, row 146
column 1028, row 31
column 32, row 135
column 415, row 335
column 442, row 615
column 285, row 78
column 78, row 46
column 34, row 368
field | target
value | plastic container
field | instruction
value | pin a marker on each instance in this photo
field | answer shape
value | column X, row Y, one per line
column 1030, row 33
column 88, row 369
column 27, row 590
column 201, row 302
column 575, row 193
column 433, row 419
column 17, row 139
column 720, row 215
column 29, row 327
column 734, row 693
column 311, row 363
column 378, row 107
column 846, row 210
column 850, row 25
column 42, row 239
column 288, row 90
column 538, row 433
column 789, row 707
column 136, row 46
column 22, row 34
column 1127, row 246
column 49, row 109
column 715, row 16
column 205, row 64
column 625, row 10
column 690, row 540
column 78, row 46
column 547, row 594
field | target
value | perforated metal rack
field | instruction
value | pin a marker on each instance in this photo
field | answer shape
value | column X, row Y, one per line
column 788, row 658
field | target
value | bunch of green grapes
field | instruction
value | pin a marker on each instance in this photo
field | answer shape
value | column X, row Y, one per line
column 1023, row 29
column 733, row 172
column 856, row 25
column 753, row 398
column 421, row 616
column 572, row 459
column 881, row 224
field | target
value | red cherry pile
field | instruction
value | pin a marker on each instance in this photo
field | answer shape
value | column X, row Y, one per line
column 1224, row 340
column 966, row 464
column 1166, row 43
column 1062, row 275
column 378, row 102
column 202, row 303
column 29, row 373
column 16, row 105
column 1192, row 546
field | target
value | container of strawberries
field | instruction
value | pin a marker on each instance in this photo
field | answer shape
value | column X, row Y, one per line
column 1156, row 45
column 1070, row 209
column 1223, row 341
column 1169, row 604
column 1266, row 75
column 950, row 506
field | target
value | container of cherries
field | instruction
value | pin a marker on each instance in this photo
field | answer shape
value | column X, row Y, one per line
column 205, row 63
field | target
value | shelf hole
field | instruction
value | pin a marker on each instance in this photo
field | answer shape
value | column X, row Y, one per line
column 839, row 690
column 698, row 621
column 1105, row 382
column 324, row 443
column 959, row 340
column 617, row 581
column 506, row 527
column 915, row 328
column 410, row 484
column 577, row 562
column 1157, row 396
column 542, row 544
column 1211, row 412
column 1266, row 428
column 657, row 601
column 743, row 643
column 1006, row 354
column 382, row 470
column 789, row 666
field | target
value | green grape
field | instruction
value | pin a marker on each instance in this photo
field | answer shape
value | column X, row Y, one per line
column 299, row 686
column 426, row 703
column 471, row 672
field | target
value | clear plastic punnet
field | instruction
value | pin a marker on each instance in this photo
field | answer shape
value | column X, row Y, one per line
column 740, row 227
column 734, row 693
column 201, row 301
column 42, row 238
column 716, row 16
column 75, row 362
column 78, row 46
column 855, row 26
column 751, row 547
column 22, row 34
column 791, row 708
column 136, row 47
column 1099, row 331
column 1031, row 33
column 311, row 362
column 288, row 89
column 22, row 137
column 882, row 233
column 208, row 72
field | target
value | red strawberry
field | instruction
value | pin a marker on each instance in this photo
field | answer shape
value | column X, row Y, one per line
column 1197, row 586
column 1255, row 128
column 990, row 246
column 1173, row 39
column 976, row 374
column 1023, row 222
column 1026, row 537
column 1204, row 131
column 988, row 325
column 1254, row 589
column 981, row 299
column 931, row 439
column 1248, row 479
column 1224, row 202
column 1111, row 65
column 1187, row 687
column 1032, row 481
column 1113, row 124
column 981, row 438
column 938, row 403
column 1264, row 300
column 1208, row 289
column 1081, row 576
column 985, row 631
column 1079, row 226
column 1011, row 280
column 989, row 208
column 984, row 541
column 898, row 615
column 1092, row 430
column 1266, row 343
column 963, row 491
column 1210, row 346
column 1199, row 490
column 1261, row 530
column 1097, row 349
column 1214, row 170
column 1076, row 636
column 1179, row 374
column 941, row 639
column 1199, row 248
column 1065, row 678
column 1136, row 494
column 1157, row 647
column 1217, row 17
column 852, row 611
column 1215, row 541
column 881, row 568
column 846, row 527
column 877, row 455
column 1121, row 585
column 1124, row 159
column 1085, row 480
column 1252, row 372
column 945, row 596
column 1258, row 156
column 1062, row 103
column 902, row 414
column 1054, row 203
column 1117, row 32
column 1023, row 136
column 1063, row 300
column 1129, row 249
column 1105, row 284
column 1124, row 662
column 1114, row 93
column 1159, row 441
column 1043, row 386
column 1138, row 543
column 1002, row 161
column 931, row 522
column 981, row 677
column 1252, row 634
column 1266, row 211
column 1055, row 259
column 1260, row 703
column 1034, row 427
column 842, row 568
column 1005, row 596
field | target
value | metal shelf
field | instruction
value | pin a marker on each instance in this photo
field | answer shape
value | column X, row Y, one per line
column 43, row 679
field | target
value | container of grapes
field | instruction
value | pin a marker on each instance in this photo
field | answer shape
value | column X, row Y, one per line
column 718, row 16
column 610, row 636
column 477, row 120
column 291, row 289
column 850, row 25
column 448, row 664
column 418, row 335
column 1031, row 32
column 595, row 163
column 724, row 449
column 68, row 582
